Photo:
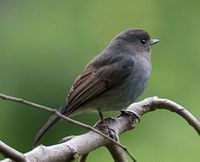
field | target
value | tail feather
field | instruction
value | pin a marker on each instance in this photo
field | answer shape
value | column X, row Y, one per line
column 51, row 121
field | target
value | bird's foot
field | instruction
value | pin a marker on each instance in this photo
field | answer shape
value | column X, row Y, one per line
column 107, row 130
column 124, row 112
column 110, row 131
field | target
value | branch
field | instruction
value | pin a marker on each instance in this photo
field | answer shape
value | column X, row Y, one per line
column 83, row 158
column 81, row 145
column 116, row 152
column 54, row 111
column 11, row 153
column 154, row 103
column 76, row 146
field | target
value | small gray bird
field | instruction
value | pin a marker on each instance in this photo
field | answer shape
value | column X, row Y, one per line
column 112, row 80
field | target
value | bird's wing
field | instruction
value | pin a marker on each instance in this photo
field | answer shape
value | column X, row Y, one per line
column 95, row 80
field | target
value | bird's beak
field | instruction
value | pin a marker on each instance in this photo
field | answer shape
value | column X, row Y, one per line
column 153, row 41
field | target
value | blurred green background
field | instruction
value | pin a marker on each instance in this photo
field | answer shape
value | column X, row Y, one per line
column 45, row 44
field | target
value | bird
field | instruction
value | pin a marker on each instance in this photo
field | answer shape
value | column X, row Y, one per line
column 112, row 80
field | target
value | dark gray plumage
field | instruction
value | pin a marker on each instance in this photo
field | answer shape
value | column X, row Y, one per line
column 112, row 80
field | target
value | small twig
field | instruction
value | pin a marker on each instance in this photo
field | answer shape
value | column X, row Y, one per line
column 11, row 153
column 54, row 111
column 83, row 158
column 85, row 143
column 174, row 107
column 155, row 103
column 116, row 152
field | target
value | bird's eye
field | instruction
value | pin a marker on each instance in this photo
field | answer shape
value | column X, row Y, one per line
column 143, row 41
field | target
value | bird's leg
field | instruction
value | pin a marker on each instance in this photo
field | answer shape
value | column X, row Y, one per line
column 110, row 130
column 101, row 116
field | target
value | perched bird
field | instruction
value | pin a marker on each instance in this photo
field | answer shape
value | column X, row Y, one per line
column 112, row 80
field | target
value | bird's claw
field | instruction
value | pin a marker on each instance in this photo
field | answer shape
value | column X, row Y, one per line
column 124, row 112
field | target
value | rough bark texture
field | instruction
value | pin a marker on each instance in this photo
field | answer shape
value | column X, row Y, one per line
column 76, row 146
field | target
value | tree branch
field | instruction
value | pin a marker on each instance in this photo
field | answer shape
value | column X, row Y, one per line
column 116, row 152
column 54, row 111
column 83, row 158
column 11, row 153
column 154, row 103
column 80, row 145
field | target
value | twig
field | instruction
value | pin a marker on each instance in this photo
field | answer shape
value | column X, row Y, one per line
column 54, row 111
column 11, row 153
column 154, row 103
column 117, row 152
column 78, row 145
column 174, row 107
column 85, row 143
column 83, row 158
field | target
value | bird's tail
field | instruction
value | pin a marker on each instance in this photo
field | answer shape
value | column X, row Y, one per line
column 51, row 121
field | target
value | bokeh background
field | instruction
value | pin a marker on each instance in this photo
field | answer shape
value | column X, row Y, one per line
column 45, row 44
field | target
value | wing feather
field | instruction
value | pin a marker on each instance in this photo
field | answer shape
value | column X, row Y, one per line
column 95, row 80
